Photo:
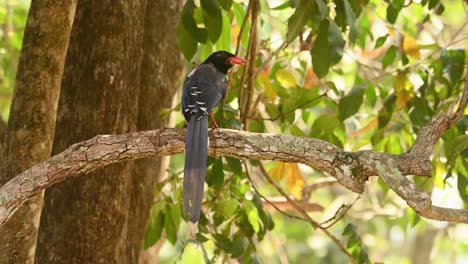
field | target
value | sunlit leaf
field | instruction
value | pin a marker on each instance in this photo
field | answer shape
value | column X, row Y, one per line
column 294, row 180
column 277, row 173
column 252, row 215
column 413, row 217
column 403, row 89
column 285, row 78
column 411, row 47
column 230, row 207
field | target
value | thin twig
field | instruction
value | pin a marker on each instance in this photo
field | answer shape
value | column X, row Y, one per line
column 317, row 185
column 251, row 64
column 338, row 216
column 244, row 22
column 267, row 61
column 266, row 199
column 291, row 110
column 314, row 223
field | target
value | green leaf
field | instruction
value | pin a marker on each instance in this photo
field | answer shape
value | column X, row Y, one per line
column 252, row 215
column 297, row 21
column 230, row 207
column 380, row 41
column 453, row 62
column 171, row 229
column 223, row 242
column 462, row 180
column 397, row 4
column 285, row 78
column 328, row 48
column 224, row 41
column 346, row 17
column 322, row 8
column 387, row 111
column 235, row 165
column 212, row 18
column 349, row 105
column 186, row 43
column 371, row 96
column 154, row 229
column 389, row 56
column 419, row 113
column 225, row 4
column 392, row 14
column 215, row 176
column 190, row 25
column 239, row 246
column 457, row 146
column 413, row 217
column 336, row 43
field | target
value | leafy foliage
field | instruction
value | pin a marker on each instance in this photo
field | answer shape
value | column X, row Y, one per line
column 357, row 73
column 352, row 72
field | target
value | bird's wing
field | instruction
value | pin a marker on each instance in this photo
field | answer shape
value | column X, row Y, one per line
column 203, row 89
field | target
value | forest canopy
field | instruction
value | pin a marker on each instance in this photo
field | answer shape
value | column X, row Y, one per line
column 377, row 84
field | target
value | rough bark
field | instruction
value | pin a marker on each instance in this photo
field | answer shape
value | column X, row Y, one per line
column 30, row 132
column 85, row 220
column 3, row 127
column 160, row 79
column 87, row 156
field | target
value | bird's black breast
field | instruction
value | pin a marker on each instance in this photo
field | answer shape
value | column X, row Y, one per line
column 203, row 89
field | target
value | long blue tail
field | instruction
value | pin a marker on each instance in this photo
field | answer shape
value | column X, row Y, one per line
column 196, row 153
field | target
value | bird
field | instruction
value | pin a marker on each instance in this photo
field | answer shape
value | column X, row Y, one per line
column 203, row 89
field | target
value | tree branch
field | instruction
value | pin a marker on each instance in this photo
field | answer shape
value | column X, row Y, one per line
column 351, row 169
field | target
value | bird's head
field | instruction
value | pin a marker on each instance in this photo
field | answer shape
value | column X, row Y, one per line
column 224, row 60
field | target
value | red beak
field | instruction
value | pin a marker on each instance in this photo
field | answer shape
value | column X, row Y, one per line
column 237, row 60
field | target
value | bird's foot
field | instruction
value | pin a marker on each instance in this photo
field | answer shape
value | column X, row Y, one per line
column 215, row 126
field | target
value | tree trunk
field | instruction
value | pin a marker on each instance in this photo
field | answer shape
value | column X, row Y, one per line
column 28, row 138
column 85, row 220
column 160, row 80
column 102, row 219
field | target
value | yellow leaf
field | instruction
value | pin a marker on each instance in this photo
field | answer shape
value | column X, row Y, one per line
column 294, row 180
column 403, row 89
column 391, row 31
column 277, row 172
column 411, row 47
column 285, row 78
column 439, row 175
